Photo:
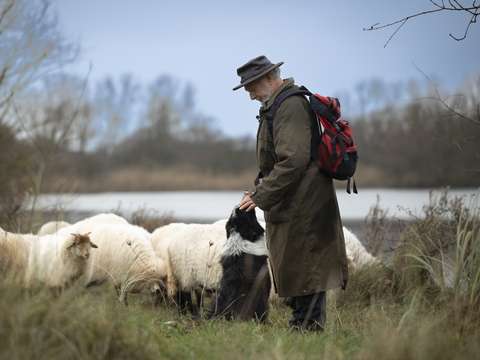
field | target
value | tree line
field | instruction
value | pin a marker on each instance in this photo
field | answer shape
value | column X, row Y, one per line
column 58, row 130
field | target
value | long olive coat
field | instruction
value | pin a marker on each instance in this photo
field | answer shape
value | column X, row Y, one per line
column 304, row 230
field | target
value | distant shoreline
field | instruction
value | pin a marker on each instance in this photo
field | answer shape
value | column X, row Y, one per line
column 191, row 179
column 399, row 203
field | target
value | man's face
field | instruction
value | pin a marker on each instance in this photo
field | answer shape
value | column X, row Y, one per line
column 260, row 89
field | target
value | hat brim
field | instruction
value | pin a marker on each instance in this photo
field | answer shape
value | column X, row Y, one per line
column 256, row 77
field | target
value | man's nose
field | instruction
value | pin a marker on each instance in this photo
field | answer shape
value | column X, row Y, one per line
column 252, row 96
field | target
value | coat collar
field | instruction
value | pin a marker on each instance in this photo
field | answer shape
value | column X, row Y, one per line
column 287, row 83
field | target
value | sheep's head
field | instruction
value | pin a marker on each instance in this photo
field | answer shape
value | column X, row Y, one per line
column 158, row 291
column 157, row 277
column 158, row 288
column 158, row 280
column 80, row 245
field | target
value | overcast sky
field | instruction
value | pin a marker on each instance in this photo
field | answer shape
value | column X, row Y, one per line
column 321, row 42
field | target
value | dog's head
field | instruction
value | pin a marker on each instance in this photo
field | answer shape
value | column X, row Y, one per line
column 245, row 223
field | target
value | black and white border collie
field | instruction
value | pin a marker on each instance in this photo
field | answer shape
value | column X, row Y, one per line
column 245, row 284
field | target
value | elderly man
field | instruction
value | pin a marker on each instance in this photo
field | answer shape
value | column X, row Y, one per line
column 304, row 230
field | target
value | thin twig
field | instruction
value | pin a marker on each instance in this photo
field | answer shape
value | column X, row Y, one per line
column 393, row 34
column 472, row 20
column 454, row 5
column 379, row 26
column 77, row 109
column 5, row 11
column 443, row 101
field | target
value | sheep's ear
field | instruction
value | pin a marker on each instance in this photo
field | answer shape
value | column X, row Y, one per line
column 93, row 245
column 71, row 242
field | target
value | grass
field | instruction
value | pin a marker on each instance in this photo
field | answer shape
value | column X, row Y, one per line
column 92, row 324
column 399, row 311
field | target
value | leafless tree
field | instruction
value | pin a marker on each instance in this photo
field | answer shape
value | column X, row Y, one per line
column 465, row 105
column 473, row 10
column 162, row 112
column 115, row 103
column 30, row 47
column 57, row 112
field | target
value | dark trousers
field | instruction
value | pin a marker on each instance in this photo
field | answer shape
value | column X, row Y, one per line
column 309, row 311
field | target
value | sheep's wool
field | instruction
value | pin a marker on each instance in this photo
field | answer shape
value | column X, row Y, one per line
column 236, row 245
column 125, row 255
column 52, row 227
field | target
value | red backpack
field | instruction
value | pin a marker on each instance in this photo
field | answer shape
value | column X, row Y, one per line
column 333, row 147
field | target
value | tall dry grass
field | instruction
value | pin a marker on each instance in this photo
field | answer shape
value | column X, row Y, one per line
column 154, row 179
column 405, row 309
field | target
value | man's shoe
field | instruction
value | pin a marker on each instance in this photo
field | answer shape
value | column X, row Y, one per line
column 315, row 326
column 310, row 326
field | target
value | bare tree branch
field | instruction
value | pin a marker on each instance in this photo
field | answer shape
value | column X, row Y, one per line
column 31, row 46
column 77, row 108
column 5, row 11
column 453, row 5
column 472, row 21
column 393, row 34
column 444, row 102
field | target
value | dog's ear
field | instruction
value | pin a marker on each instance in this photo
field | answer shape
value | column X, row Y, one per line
column 93, row 245
column 238, row 211
column 228, row 228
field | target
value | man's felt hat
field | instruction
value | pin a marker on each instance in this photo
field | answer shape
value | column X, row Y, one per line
column 255, row 69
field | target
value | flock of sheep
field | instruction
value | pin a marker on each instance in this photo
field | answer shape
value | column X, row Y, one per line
column 173, row 262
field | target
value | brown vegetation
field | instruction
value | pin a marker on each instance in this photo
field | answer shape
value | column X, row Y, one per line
column 395, row 311
column 141, row 179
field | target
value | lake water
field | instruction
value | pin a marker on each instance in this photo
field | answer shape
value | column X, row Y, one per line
column 211, row 205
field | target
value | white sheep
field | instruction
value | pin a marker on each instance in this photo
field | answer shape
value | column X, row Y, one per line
column 14, row 250
column 160, row 241
column 57, row 260
column 125, row 257
column 357, row 255
column 104, row 218
column 192, row 254
column 52, row 227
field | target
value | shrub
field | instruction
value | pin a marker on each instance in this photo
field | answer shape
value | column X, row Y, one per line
column 15, row 175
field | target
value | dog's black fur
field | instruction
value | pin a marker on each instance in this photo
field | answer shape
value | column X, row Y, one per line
column 245, row 285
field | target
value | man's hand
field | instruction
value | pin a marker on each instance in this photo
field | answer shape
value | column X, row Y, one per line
column 247, row 203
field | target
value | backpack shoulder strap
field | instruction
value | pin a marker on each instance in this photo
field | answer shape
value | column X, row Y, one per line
column 270, row 114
